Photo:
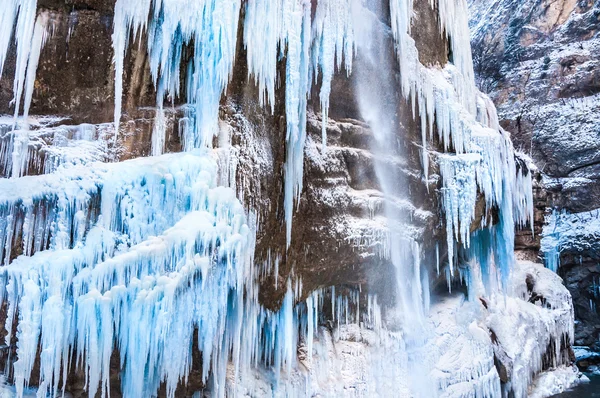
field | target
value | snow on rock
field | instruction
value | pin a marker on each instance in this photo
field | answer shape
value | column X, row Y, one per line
column 538, row 60
column 544, row 320
column 555, row 381
column 577, row 233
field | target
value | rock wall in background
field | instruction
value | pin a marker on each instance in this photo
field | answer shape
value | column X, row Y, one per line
column 540, row 62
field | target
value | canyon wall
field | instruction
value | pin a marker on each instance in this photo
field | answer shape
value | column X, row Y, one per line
column 540, row 64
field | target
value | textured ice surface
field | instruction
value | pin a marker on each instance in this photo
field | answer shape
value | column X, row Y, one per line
column 555, row 381
column 44, row 146
column 101, row 271
column 365, row 360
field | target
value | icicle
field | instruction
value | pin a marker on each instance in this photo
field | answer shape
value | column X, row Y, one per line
column 459, row 198
column 40, row 35
column 454, row 21
column 129, row 15
column 30, row 36
column 297, row 20
column 211, row 25
column 401, row 12
column 159, row 129
column 263, row 30
column 333, row 41
column 8, row 14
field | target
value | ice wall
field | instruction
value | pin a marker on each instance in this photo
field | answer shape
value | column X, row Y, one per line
column 167, row 252
column 136, row 255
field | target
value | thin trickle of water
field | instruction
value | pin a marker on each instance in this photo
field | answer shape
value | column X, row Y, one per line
column 379, row 107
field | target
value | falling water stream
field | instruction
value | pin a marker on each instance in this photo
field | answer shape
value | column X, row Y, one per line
column 380, row 107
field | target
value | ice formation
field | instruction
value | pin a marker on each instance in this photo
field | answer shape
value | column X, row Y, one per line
column 549, row 309
column 47, row 144
column 123, row 276
column 31, row 31
column 134, row 256
column 270, row 28
column 311, row 45
column 467, row 123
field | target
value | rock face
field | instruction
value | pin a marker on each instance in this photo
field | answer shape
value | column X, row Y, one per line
column 540, row 63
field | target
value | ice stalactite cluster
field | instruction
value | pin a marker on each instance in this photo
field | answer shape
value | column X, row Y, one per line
column 31, row 32
column 272, row 29
column 46, row 145
column 466, row 122
column 134, row 256
column 169, row 26
column 309, row 47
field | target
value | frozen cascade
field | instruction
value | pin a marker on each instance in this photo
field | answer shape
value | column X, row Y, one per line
column 121, row 268
column 47, row 144
column 333, row 44
column 212, row 26
column 170, row 25
column 79, row 298
column 466, row 121
column 100, row 257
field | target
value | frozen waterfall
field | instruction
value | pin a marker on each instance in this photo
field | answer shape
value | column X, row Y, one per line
column 148, row 264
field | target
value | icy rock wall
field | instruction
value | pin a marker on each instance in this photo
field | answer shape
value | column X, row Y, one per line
column 539, row 63
column 191, row 56
column 472, row 348
column 570, row 247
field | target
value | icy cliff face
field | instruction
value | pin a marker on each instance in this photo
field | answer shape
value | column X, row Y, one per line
column 539, row 63
column 291, row 216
